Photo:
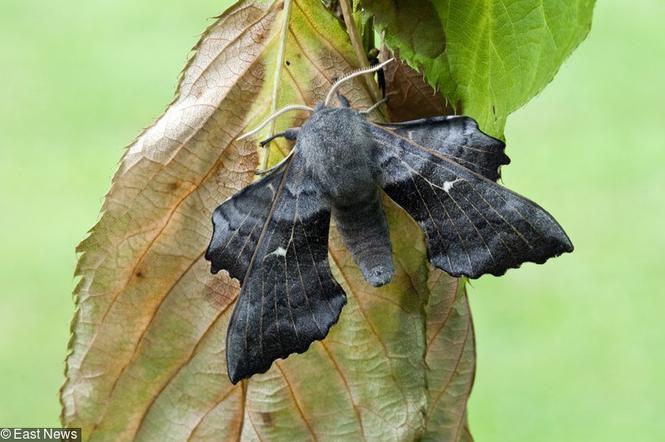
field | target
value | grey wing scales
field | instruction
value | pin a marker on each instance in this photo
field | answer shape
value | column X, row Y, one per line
column 472, row 225
column 237, row 224
column 459, row 138
column 288, row 297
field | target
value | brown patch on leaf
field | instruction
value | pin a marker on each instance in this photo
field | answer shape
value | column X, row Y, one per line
column 409, row 96
column 222, row 291
column 267, row 418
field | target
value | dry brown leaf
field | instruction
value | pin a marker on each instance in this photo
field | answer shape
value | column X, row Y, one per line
column 147, row 350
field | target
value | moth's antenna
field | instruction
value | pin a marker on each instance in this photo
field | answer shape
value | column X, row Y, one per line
column 288, row 108
column 353, row 75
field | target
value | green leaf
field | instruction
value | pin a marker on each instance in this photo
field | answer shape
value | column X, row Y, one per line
column 488, row 57
column 146, row 355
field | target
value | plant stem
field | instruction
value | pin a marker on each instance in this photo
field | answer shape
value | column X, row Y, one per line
column 281, row 51
column 356, row 42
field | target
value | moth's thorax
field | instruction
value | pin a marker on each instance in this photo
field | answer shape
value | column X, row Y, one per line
column 336, row 145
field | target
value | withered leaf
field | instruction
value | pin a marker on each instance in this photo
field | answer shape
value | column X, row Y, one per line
column 147, row 349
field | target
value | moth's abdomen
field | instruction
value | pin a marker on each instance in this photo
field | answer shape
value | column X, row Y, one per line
column 364, row 229
column 337, row 145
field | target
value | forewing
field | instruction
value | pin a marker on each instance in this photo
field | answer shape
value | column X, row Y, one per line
column 459, row 138
column 238, row 223
column 473, row 226
column 288, row 297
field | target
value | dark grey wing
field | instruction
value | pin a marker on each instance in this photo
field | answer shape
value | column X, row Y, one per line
column 459, row 138
column 288, row 297
column 238, row 222
column 472, row 225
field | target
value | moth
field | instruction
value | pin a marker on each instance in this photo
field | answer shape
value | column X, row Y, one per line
column 273, row 235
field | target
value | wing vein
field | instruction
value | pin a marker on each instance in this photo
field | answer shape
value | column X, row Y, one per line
column 483, row 198
column 489, row 251
column 235, row 233
column 436, row 227
column 318, row 276
column 452, row 223
column 302, row 284
column 510, row 251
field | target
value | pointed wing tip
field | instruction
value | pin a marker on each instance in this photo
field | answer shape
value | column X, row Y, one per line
column 214, row 268
column 217, row 264
column 238, row 371
column 208, row 255
column 560, row 244
column 235, row 376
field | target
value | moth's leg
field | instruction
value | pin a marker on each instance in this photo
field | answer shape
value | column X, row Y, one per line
column 343, row 100
column 290, row 134
column 373, row 58
column 381, row 79
column 267, row 171
column 374, row 106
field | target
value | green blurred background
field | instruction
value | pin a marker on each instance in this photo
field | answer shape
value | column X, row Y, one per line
column 573, row 350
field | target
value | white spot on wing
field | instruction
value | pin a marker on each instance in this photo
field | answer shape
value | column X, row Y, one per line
column 447, row 185
column 279, row 251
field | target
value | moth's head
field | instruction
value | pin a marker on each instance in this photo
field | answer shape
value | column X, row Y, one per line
column 341, row 101
column 325, row 104
column 335, row 115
